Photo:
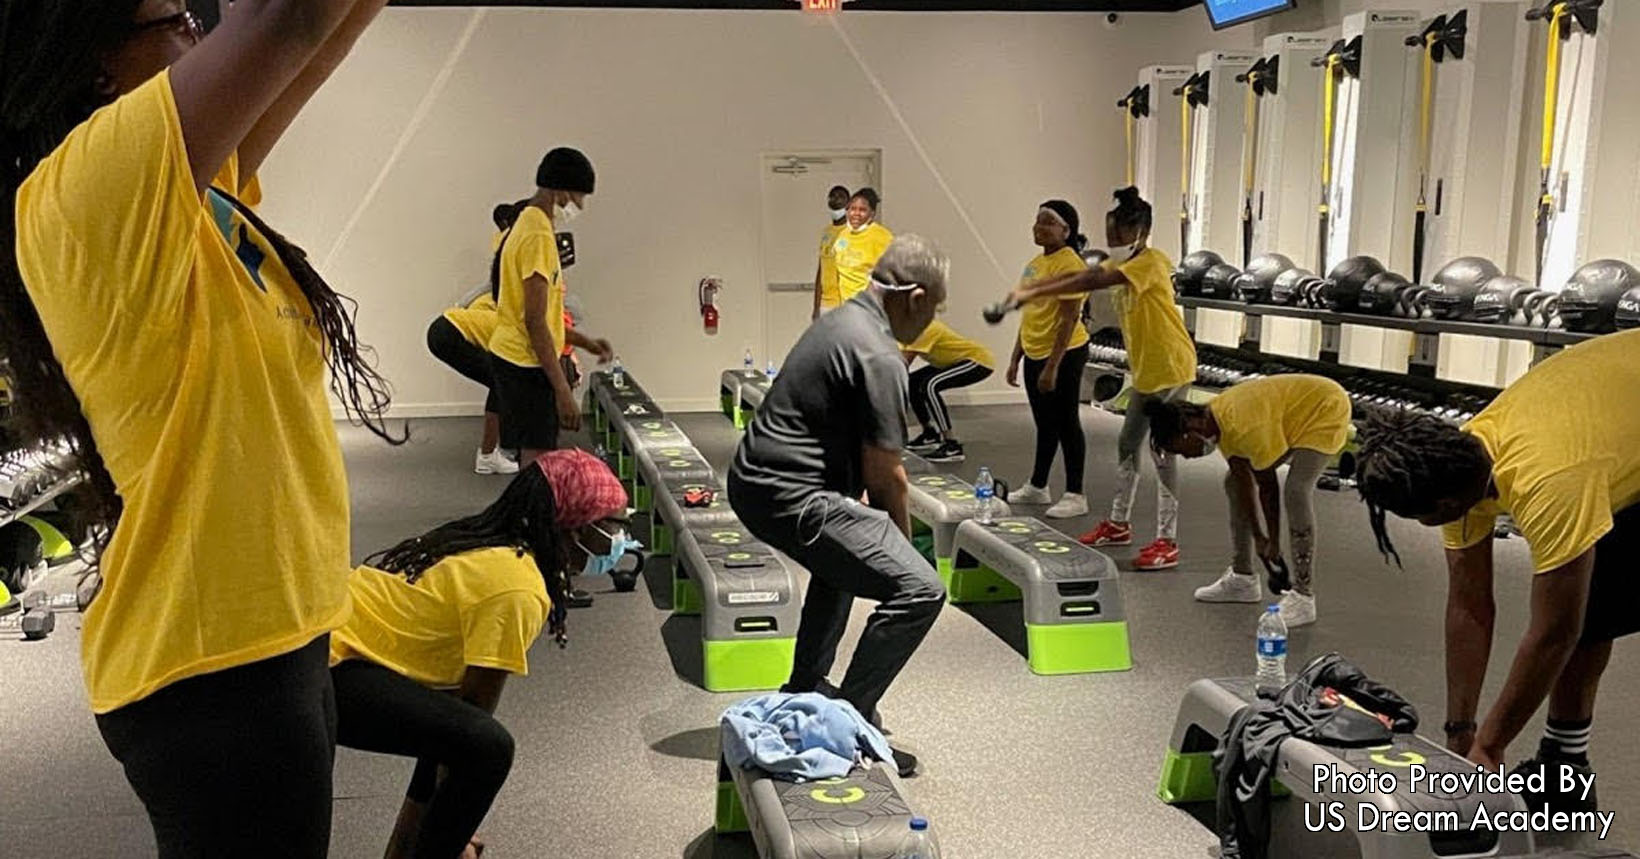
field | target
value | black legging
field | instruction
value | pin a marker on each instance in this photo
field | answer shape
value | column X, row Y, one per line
column 236, row 762
column 447, row 344
column 1058, row 417
column 380, row 710
column 930, row 382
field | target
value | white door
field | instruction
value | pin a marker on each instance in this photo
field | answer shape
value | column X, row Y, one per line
column 794, row 215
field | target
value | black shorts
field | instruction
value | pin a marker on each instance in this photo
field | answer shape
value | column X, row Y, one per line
column 1614, row 592
column 529, row 408
column 447, row 344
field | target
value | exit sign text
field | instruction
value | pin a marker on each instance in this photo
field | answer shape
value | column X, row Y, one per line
column 822, row 5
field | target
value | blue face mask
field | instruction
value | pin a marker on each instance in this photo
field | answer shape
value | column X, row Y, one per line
column 603, row 564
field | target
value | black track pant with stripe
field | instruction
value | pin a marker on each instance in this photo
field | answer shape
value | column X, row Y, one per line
column 929, row 384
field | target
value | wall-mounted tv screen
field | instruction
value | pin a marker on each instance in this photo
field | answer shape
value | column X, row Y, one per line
column 1228, row 13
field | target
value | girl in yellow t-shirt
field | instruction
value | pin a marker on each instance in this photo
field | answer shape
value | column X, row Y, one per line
column 857, row 248
column 440, row 622
column 1297, row 420
column 1161, row 361
column 952, row 361
column 184, row 349
column 1053, row 346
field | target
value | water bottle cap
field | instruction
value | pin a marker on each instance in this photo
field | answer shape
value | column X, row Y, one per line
column 1272, row 609
column 918, row 824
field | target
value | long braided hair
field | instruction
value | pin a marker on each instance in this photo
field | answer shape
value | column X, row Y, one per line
column 50, row 64
column 1409, row 461
column 524, row 518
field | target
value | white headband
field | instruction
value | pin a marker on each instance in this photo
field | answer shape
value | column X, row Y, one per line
column 889, row 287
column 1056, row 216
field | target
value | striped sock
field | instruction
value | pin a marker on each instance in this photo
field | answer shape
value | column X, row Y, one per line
column 1569, row 740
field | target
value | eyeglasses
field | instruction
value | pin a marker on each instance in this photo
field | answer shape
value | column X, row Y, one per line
column 185, row 23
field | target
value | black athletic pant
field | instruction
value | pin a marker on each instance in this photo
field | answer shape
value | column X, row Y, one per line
column 236, row 762
column 1058, row 416
column 928, row 385
column 447, row 344
column 380, row 710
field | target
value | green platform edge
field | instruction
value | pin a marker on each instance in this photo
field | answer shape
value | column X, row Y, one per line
column 974, row 584
column 726, row 404
column 731, row 816
column 1078, row 648
column 1188, row 777
column 643, row 498
column 660, row 537
column 747, row 664
column 743, row 416
column 686, row 597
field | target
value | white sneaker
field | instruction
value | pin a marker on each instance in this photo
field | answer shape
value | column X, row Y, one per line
column 1070, row 506
column 1029, row 494
column 1297, row 609
column 494, row 462
column 1232, row 587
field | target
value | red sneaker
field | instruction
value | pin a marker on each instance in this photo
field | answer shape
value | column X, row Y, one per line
column 1108, row 534
column 1160, row 555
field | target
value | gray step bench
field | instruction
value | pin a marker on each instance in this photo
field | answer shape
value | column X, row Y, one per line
column 670, row 515
column 611, row 406
column 729, row 392
column 938, row 503
column 1205, row 713
column 1074, row 617
column 657, row 465
column 746, row 595
column 752, row 392
column 863, row 815
column 629, row 436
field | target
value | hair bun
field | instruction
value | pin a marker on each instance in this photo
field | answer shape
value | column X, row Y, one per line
column 1127, row 195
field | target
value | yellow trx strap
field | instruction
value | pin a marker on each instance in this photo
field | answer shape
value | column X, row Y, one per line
column 1250, row 134
column 1551, row 94
column 1127, row 117
column 1184, row 155
column 1330, row 70
column 1430, row 41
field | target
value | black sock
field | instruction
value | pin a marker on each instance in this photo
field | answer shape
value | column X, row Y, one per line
column 1567, row 740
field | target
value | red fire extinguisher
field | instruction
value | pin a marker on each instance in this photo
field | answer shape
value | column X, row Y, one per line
column 709, row 288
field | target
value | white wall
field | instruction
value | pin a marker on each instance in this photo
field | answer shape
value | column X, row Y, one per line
column 389, row 177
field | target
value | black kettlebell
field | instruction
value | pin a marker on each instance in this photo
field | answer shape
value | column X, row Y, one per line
column 1381, row 295
column 1220, row 282
column 1345, row 281
column 1588, row 304
column 1187, row 278
column 1452, row 295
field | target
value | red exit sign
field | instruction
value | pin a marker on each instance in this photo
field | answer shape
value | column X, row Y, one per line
column 822, row 5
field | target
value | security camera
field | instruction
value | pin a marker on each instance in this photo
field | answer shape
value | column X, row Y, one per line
column 1112, row 20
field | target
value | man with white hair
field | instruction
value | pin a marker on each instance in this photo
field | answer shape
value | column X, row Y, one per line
column 831, row 428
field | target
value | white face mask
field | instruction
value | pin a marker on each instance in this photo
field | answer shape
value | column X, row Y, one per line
column 1122, row 253
column 565, row 213
column 1209, row 445
column 839, row 214
column 861, row 228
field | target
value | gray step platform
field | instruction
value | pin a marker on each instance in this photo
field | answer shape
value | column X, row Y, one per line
column 861, row 816
column 658, row 465
column 610, row 406
column 1075, row 621
column 915, row 464
column 746, row 595
column 939, row 503
column 729, row 391
column 669, row 514
column 626, row 437
column 1205, row 713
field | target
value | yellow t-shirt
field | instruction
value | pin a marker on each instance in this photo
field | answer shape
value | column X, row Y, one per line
column 1039, row 319
column 531, row 248
column 856, row 255
column 476, row 321
column 1564, row 458
column 942, row 347
column 1261, row 420
column 1161, row 354
column 482, row 608
column 829, row 296
column 202, row 374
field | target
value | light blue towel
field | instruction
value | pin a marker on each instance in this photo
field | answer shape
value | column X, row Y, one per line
column 804, row 737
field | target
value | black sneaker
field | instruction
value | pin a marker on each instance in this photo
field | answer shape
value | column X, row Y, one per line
column 1552, row 799
column 950, row 451
column 929, row 440
column 905, row 762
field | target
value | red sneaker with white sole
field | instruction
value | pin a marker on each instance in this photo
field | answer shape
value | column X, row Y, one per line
column 1108, row 533
column 1160, row 555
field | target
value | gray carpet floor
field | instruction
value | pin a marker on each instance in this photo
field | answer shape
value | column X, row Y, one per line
column 616, row 740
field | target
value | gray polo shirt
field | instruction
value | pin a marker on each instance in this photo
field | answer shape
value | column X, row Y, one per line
column 844, row 386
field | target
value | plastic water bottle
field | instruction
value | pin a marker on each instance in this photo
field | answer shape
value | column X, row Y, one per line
column 747, row 363
column 1272, row 648
column 985, row 491
column 617, row 374
column 918, row 843
column 771, row 371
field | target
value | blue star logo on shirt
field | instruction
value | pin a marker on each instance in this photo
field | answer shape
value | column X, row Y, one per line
column 251, row 255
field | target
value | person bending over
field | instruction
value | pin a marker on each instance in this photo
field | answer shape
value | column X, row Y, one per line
column 826, row 296
column 859, row 245
column 1161, row 361
column 1556, row 450
column 182, row 346
column 1298, row 420
column 952, row 361
column 1053, row 345
column 459, row 337
column 537, row 400
column 441, row 620
column 831, row 428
